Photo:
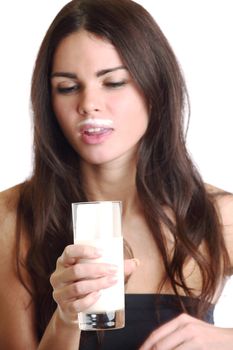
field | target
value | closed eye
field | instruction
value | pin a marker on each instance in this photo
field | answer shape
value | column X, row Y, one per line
column 115, row 84
column 68, row 89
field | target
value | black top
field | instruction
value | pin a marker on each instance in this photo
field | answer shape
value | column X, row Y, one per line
column 143, row 314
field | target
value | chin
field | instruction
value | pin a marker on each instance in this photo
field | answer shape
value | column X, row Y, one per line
column 97, row 160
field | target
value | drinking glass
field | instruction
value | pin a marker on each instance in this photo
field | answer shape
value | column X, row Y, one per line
column 98, row 224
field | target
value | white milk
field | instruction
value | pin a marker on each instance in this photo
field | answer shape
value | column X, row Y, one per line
column 98, row 224
column 112, row 298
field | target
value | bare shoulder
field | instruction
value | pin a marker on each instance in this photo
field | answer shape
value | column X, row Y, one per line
column 8, row 213
column 8, row 210
column 224, row 205
column 17, row 312
column 8, row 202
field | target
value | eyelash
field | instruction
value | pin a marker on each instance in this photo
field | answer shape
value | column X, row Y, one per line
column 76, row 88
column 67, row 90
column 115, row 84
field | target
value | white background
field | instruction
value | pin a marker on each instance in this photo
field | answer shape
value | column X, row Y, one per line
column 200, row 33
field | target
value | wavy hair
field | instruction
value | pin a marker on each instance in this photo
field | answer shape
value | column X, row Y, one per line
column 166, row 176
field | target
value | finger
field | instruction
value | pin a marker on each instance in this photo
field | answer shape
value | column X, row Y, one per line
column 166, row 330
column 82, row 304
column 187, row 346
column 73, row 252
column 78, row 272
column 79, row 289
column 69, row 311
column 174, row 340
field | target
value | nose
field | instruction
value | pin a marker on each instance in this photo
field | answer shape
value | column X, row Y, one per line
column 89, row 102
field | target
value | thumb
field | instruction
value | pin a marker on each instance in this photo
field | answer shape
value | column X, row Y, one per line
column 130, row 266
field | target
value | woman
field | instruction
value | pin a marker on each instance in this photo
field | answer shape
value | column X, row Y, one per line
column 108, row 60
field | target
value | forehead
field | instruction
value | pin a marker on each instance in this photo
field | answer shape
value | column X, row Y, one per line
column 85, row 49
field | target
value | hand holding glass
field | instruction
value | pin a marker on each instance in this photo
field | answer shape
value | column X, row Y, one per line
column 98, row 224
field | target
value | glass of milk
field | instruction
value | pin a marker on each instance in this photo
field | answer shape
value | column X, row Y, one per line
column 98, row 224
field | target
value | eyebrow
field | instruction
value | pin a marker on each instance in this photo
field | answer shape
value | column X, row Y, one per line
column 98, row 73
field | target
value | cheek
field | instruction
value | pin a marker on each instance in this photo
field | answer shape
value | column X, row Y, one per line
column 63, row 113
column 135, row 112
column 127, row 105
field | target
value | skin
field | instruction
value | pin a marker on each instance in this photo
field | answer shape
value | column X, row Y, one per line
column 109, row 172
column 92, row 94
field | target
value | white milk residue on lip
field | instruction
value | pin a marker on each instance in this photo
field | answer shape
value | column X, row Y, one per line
column 96, row 122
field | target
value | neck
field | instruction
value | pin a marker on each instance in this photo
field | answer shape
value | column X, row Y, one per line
column 114, row 181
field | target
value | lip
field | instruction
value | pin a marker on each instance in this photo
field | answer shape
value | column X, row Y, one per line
column 93, row 135
column 95, row 131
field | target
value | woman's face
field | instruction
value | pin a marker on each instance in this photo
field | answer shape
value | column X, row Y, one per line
column 100, row 109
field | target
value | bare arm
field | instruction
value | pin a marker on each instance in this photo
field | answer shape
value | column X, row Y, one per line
column 60, row 336
column 224, row 207
column 185, row 332
column 17, row 316
column 17, row 326
column 17, row 322
column 72, row 294
column 226, row 213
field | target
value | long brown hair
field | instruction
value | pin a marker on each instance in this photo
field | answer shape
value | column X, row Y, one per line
column 166, row 176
